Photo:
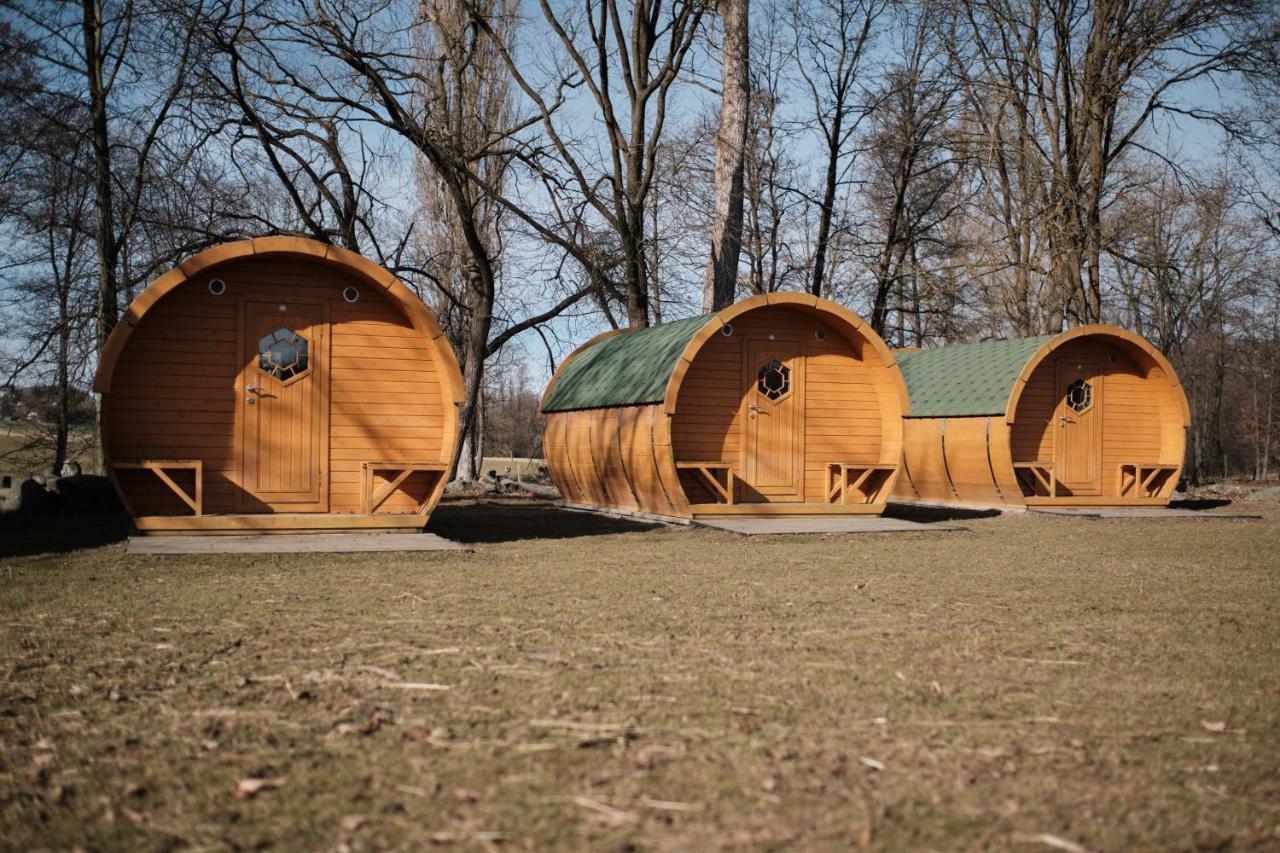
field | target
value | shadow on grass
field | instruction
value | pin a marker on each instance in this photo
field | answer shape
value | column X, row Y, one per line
column 1199, row 503
column 932, row 514
column 23, row 535
column 473, row 521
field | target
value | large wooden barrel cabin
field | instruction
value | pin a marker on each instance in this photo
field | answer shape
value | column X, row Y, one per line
column 780, row 404
column 278, row 384
column 1094, row 416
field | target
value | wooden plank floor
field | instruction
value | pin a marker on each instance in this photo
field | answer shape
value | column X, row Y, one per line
column 291, row 543
column 769, row 525
column 1156, row 512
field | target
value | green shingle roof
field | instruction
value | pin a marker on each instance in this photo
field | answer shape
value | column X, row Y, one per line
column 967, row 379
column 628, row 369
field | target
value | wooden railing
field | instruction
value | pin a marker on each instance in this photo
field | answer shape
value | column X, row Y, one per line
column 724, row 491
column 161, row 468
column 1143, row 479
column 371, row 499
column 856, row 482
column 1031, row 475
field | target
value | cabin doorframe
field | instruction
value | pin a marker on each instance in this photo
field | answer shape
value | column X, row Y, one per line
column 317, row 499
column 757, row 351
column 1077, row 429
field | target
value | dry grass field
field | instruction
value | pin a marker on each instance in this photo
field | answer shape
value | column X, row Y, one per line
column 27, row 449
column 578, row 683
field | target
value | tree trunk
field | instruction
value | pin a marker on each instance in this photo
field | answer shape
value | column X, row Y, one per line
column 731, row 142
column 637, row 280
column 64, row 384
column 476, row 349
column 104, row 223
column 104, row 230
column 830, row 186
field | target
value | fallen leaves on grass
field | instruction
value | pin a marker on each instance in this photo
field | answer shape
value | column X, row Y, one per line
column 670, row 805
column 247, row 789
column 1055, row 841
column 605, row 815
column 588, row 734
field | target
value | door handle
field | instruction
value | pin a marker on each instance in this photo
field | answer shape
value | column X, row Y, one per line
column 255, row 389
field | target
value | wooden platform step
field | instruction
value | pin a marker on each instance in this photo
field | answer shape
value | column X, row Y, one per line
column 770, row 525
column 1167, row 513
column 291, row 543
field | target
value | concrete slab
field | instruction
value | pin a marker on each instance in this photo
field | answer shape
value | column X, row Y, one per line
column 1154, row 512
column 769, row 525
column 291, row 543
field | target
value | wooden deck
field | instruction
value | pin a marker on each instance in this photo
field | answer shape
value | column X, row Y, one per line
column 1153, row 512
column 279, row 522
column 704, row 511
column 772, row 525
column 291, row 543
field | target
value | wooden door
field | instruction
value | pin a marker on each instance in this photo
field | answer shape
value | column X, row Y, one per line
column 773, row 418
column 283, row 402
column 1078, row 427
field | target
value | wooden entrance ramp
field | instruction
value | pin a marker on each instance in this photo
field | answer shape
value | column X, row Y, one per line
column 1152, row 512
column 291, row 543
column 769, row 525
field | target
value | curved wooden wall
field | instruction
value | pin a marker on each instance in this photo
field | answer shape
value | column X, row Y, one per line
column 624, row 458
column 171, row 387
column 969, row 460
column 617, row 458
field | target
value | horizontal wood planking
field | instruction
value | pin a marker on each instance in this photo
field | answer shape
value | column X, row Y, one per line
column 1136, row 406
column 845, row 409
column 1141, row 423
column 175, row 391
column 624, row 457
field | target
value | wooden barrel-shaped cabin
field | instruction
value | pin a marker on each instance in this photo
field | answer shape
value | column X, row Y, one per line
column 779, row 404
column 1094, row 416
column 278, row 384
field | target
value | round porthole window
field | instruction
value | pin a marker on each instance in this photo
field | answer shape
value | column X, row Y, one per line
column 350, row 294
column 726, row 330
column 820, row 334
column 217, row 286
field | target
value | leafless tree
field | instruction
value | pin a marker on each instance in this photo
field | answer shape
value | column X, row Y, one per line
column 731, row 149
column 914, row 169
column 1068, row 88
column 832, row 39
column 626, row 59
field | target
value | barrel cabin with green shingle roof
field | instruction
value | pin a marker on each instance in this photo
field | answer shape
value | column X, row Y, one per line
column 783, row 403
column 1091, row 417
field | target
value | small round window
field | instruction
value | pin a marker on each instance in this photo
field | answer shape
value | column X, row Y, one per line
column 350, row 294
column 217, row 286
column 284, row 354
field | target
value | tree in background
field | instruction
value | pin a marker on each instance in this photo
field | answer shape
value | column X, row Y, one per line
column 832, row 40
column 599, row 188
column 731, row 146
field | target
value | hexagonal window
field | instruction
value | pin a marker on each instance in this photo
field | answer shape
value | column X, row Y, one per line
column 283, row 354
column 773, row 380
column 1079, row 396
